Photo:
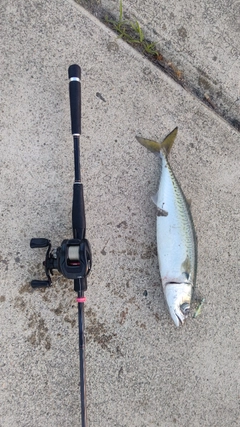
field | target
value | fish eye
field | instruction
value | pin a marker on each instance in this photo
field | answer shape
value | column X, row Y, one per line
column 185, row 308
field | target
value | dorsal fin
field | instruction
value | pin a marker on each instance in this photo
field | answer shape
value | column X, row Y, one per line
column 165, row 145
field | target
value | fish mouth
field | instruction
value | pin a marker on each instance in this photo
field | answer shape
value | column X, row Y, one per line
column 178, row 321
column 178, row 297
column 184, row 310
column 178, row 316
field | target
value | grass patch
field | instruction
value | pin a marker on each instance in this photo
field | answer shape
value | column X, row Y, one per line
column 132, row 33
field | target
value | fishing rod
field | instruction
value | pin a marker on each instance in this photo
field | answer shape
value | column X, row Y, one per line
column 73, row 258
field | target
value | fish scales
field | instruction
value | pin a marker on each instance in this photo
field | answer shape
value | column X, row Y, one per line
column 175, row 232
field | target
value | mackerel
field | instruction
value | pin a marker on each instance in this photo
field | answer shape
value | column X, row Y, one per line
column 176, row 237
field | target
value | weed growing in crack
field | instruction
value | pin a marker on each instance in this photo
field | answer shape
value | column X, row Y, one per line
column 132, row 33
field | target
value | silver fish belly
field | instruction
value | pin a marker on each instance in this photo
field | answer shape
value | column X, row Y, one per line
column 176, row 244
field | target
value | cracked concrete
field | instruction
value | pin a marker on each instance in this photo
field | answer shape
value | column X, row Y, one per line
column 200, row 40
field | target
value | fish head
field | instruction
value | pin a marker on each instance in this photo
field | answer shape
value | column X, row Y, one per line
column 178, row 297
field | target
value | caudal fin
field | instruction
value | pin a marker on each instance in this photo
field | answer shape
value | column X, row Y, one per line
column 155, row 147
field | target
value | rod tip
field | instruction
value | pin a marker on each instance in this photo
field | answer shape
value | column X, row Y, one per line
column 74, row 71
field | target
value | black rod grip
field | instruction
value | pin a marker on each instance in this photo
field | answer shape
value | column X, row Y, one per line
column 78, row 212
column 80, row 285
column 74, row 74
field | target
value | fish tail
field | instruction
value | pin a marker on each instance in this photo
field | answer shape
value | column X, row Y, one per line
column 164, row 146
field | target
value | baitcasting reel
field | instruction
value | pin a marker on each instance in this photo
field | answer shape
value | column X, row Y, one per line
column 72, row 259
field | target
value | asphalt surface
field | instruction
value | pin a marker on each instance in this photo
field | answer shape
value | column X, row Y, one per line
column 141, row 370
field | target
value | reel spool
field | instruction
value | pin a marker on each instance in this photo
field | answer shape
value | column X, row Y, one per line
column 73, row 255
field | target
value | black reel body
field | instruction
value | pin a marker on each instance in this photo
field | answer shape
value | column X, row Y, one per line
column 72, row 259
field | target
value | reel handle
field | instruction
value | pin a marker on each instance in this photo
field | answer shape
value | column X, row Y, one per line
column 39, row 243
column 40, row 284
column 74, row 73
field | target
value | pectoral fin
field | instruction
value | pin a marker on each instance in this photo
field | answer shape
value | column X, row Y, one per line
column 161, row 212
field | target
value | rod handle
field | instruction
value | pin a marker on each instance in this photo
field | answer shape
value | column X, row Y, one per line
column 80, row 285
column 78, row 212
column 74, row 74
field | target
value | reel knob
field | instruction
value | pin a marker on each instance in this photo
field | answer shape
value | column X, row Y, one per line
column 40, row 284
column 39, row 243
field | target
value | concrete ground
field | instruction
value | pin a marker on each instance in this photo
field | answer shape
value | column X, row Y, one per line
column 141, row 370
column 200, row 41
